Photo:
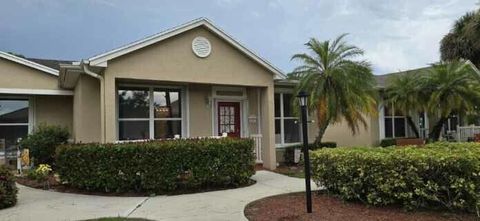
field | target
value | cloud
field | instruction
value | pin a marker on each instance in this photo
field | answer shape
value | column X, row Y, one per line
column 396, row 35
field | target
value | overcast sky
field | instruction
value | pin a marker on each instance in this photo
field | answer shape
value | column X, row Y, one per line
column 395, row 34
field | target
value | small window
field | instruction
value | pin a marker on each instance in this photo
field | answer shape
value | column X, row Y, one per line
column 229, row 92
column 394, row 122
column 14, row 121
column 287, row 127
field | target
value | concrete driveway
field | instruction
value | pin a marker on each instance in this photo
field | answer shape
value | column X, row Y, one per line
column 41, row 205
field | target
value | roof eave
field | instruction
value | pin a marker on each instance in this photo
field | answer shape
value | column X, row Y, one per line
column 28, row 63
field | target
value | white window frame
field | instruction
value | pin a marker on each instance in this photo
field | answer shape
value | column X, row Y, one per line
column 282, row 118
column 393, row 117
column 151, row 119
column 31, row 116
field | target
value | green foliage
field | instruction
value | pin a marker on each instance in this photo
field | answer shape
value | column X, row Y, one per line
column 452, row 87
column 289, row 155
column 405, row 92
column 341, row 86
column 440, row 90
column 8, row 189
column 317, row 146
column 388, row 142
column 462, row 42
column 439, row 175
column 40, row 173
column 157, row 166
column 43, row 142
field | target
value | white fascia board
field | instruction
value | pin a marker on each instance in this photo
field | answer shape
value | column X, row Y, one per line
column 28, row 63
column 468, row 62
column 35, row 91
column 102, row 59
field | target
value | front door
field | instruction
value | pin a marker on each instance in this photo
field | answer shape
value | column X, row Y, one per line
column 229, row 118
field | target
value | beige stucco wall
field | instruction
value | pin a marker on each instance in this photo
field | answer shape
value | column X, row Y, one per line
column 54, row 110
column 342, row 135
column 252, row 97
column 172, row 61
column 86, row 110
column 16, row 75
column 47, row 109
column 200, row 110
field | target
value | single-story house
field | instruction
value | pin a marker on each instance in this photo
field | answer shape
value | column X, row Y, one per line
column 193, row 80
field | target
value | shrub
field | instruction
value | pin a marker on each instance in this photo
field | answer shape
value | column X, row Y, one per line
column 157, row 166
column 43, row 141
column 8, row 189
column 289, row 154
column 388, row 142
column 323, row 144
column 41, row 173
column 439, row 175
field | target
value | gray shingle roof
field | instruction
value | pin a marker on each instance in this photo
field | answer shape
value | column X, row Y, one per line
column 382, row 80
column 55, row 64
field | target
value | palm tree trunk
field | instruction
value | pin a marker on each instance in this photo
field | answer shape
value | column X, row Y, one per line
column 413, row 126
column 321, row 131
column 437, row 129
column 322, row 120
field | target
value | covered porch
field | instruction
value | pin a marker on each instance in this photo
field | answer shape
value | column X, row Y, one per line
column 171, row 110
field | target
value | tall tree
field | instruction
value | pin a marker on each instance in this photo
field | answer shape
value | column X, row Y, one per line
column 463, row 41
column 341, row 87
column 452, row 87
column 405, row 92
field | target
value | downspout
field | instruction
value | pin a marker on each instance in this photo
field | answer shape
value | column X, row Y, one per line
column 85, row 64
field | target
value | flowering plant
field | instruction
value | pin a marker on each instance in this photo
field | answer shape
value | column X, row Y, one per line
column 41, row 172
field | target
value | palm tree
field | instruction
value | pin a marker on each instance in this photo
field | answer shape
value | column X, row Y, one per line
column 340, row 87
column 453, row 87
column 405, row 93
column 463, row 41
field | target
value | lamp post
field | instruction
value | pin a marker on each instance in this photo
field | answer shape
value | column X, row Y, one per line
column 302, row 96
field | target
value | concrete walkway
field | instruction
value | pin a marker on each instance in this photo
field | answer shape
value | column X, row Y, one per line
column 41, row 205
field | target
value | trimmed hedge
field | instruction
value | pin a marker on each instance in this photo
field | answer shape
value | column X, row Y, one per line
column 8, row 189
column 157, row 166
column 388, row 142
column 289, row 153
column 439, row 175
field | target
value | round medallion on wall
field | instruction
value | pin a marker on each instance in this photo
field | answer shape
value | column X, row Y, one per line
column 201, row 47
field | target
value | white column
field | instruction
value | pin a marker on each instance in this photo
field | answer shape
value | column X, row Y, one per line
column 381, row 121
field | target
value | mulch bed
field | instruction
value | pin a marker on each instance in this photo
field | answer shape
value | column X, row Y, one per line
column 290, row 170
column 64, row 188
column 289, row 207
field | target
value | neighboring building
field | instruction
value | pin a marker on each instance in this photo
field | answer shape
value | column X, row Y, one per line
column 190, row 81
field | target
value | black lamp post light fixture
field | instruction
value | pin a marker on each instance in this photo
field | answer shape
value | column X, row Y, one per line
column 303, row 97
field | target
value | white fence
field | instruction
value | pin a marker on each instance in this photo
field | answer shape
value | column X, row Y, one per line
column 467, row 133
column 258, row 147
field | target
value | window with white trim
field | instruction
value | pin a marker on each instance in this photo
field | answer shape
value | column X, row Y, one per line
column 287, row 128
column 14, row 120
column 149, row 113
column 395, row 122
